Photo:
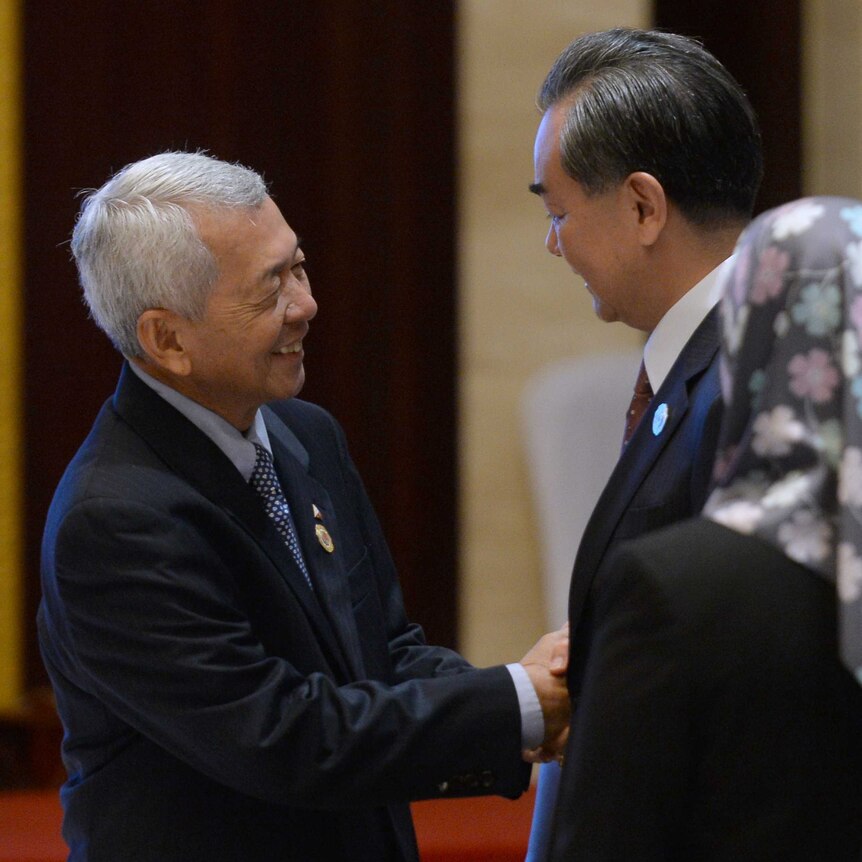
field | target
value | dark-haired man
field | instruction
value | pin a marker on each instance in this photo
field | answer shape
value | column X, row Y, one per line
column 648, row 161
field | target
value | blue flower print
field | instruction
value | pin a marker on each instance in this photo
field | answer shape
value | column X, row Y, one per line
column 755, row 384
column 853, row 217
column 830, row 441
column 856, row 389
column 819, row 309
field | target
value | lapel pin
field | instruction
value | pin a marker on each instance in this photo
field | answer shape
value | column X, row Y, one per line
column 659, row 419
column 324, row 538
column 316, row 512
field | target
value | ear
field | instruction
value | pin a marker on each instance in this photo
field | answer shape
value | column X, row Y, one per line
column 160, row 333
column 649, row 202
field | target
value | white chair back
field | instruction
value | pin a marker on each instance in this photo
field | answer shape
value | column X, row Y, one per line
column 573, row 414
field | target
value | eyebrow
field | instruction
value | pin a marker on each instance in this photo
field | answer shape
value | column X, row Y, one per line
column 537, row 189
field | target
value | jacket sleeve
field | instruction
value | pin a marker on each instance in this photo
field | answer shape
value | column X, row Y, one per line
column 144, row 618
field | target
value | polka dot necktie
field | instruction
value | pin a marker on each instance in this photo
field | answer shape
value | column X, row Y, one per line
column 641, row 398
column 265, row 481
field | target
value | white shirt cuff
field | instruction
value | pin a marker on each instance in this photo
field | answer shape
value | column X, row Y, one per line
column 532, row 720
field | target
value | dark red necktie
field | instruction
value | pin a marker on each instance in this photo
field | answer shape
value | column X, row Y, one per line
column 641, row 398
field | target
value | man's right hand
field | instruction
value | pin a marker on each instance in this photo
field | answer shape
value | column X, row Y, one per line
column 546, row 665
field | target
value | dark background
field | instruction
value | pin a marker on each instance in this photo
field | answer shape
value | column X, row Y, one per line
column 348, row 109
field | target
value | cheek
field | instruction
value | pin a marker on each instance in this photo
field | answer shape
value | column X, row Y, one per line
column 264, row 339
column 570, row 252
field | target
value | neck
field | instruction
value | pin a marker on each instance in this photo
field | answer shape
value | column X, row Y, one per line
column 689, row 255
column 241, row 420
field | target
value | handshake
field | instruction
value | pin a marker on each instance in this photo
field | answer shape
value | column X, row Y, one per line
column 546, row 665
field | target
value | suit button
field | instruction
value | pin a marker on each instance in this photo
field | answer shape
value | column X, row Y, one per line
column 443, row 787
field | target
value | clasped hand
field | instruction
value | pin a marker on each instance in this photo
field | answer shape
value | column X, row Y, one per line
column 546, row 663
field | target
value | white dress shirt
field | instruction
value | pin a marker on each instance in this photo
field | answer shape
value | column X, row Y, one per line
column 667, row 340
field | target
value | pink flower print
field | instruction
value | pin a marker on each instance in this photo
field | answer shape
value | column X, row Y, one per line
column 769, row 278
column 813, row 376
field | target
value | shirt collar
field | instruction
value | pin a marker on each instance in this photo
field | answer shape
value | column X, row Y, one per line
column 668, row 339
column 237, row 447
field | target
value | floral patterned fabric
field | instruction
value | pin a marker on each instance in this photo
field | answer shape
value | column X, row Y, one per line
column 789, row 468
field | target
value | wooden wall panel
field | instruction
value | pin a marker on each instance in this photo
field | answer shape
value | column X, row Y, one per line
column 10, row 358
column 347, row 108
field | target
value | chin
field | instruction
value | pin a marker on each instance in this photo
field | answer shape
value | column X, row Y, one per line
column 296, row 385
column 285, row 390
column 605, row 314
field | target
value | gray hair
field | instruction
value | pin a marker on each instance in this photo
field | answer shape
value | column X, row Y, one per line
column 137, row 246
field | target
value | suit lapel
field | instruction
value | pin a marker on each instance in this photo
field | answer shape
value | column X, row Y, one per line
column 192, row 455
column 639, row 458
column 306, row 496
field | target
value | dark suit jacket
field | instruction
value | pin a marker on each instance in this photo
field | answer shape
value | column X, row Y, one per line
column 214, row 707
column 716, row 721
column 659, row 479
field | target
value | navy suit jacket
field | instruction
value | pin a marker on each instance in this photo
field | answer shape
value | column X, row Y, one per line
column 662, row 477
column 215, row 708
column 716, row 720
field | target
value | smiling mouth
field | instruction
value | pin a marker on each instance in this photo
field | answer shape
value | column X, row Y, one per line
column 296, row 347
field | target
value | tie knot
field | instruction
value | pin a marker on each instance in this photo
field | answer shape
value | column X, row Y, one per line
column 263, row 456
column 263, row 478
column 641, row 398
column 642, row 384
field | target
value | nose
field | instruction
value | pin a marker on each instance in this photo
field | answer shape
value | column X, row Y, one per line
column 303, row 308
column 551, row 243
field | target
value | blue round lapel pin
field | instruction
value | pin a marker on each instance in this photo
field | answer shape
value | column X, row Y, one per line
column 659, row 419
